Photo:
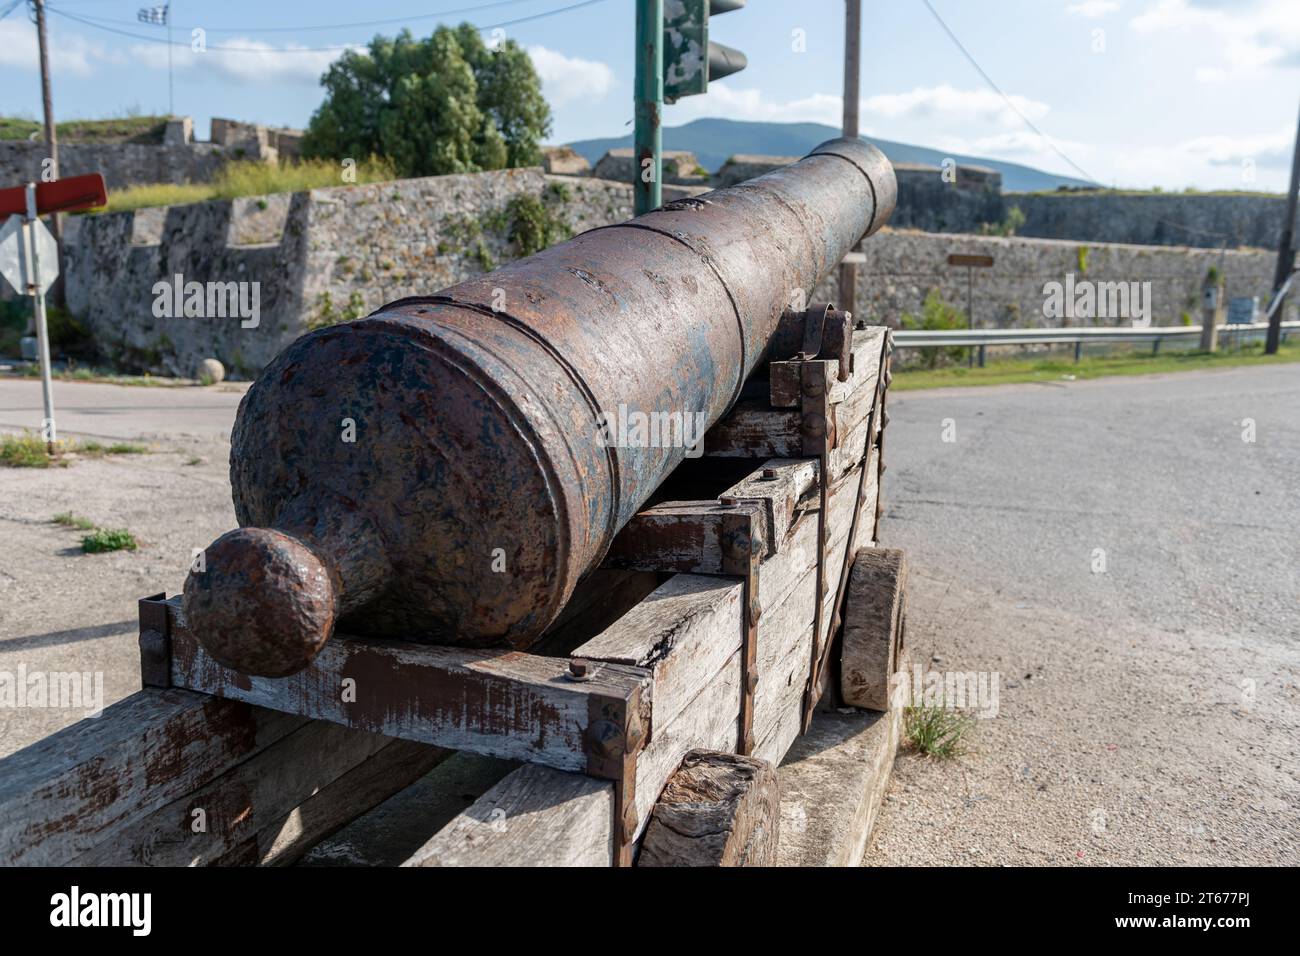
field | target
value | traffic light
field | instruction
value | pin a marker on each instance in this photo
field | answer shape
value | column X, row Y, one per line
column 690, row 58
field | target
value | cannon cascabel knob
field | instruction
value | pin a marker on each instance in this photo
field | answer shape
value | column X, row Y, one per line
column 265, row 602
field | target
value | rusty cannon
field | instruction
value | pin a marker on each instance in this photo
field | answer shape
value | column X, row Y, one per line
column 442, row 470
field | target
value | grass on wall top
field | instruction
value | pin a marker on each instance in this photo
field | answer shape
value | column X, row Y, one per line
column 249, row 178
column 126, row 129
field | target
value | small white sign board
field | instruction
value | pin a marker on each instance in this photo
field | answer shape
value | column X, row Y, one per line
column 15, row 258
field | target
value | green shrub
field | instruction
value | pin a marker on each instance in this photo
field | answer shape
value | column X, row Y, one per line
column 1007, row 227
column 26, row 450
column 533, row 226
column 936, row 316
column 108, row 539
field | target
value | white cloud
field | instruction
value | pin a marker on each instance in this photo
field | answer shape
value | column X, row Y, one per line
column 1251, row 33
column 1092, row 9
column 69, row 52
column 948, row 103
column 1207, row 162
column 566, row 78
column 737, row 104
column 249, row 61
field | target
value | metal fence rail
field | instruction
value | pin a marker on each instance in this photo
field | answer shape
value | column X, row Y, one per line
column 982, row 338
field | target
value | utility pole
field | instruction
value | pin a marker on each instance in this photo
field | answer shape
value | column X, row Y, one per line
column 47, row 100
column 1285, row 256
column 852, row 81
column 647, row 152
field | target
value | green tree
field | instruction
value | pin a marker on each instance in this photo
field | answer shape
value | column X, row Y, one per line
column 441, row 104
column 510, row 93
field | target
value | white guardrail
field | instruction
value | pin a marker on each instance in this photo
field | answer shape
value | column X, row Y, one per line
column 983, row 338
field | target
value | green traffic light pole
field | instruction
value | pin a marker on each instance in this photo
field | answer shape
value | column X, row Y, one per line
column 648, row 139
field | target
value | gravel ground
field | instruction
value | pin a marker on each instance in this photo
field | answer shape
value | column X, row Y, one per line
column 1148, row 712
column 62, row 610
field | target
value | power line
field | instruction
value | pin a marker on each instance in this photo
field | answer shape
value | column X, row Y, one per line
column 335, row 26
column 989, row 80
column 308, row 49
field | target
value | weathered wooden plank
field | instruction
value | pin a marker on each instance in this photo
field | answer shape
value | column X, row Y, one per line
column 682, row 634
column 79, row 787
column 782, row 572
column 209, row 823
column 785, row 634
column 535, row 816
column 848, row 452
column 719, row 809
column 682, row 536
column 600, row 599
column 832, row 782
column 687, row 536
column 708, row 722
column 861, row 383
column 779, row 486
column 393, row 768
column 389, row 833
column 495, row 702
column 752, row 429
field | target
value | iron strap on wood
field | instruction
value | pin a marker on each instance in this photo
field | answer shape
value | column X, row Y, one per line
column 741, row 548
column 818, row 436
column 821, row 652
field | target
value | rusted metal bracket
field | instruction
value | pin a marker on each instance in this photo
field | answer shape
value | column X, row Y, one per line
column 828, row 334
column 616, row 732
column 819, row 331
column 818, row 433
column 155, row 641
column 742, row 546
column 887, row 375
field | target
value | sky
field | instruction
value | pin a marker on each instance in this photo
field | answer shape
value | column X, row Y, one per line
column 1131, row 93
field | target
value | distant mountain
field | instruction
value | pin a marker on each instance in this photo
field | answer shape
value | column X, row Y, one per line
column 713, row 141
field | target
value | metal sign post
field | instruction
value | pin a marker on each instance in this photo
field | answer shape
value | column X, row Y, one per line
column 647, row 151
column 971, row 262
column 29, row 259
column 37, row 291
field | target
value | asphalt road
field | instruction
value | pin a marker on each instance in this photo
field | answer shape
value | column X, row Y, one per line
column 121, row 413
column 1130, row 568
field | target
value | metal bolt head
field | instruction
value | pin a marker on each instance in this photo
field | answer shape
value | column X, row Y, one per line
column 769, row 474
column 580, row 669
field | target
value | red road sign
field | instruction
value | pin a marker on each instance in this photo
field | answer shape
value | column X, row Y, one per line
column 62, row 195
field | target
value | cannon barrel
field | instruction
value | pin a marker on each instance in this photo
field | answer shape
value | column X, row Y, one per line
column 445, row 470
